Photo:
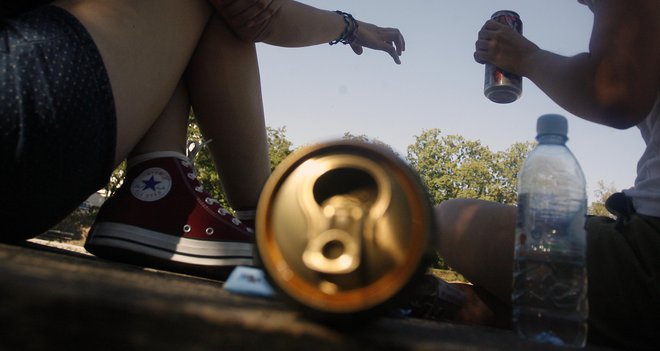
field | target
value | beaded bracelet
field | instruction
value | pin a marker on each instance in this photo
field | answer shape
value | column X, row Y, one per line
column 350, row 32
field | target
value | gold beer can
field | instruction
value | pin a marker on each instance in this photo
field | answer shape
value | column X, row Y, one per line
column 344, row 229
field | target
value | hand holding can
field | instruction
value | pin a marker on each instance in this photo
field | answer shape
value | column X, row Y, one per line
column 501, row 86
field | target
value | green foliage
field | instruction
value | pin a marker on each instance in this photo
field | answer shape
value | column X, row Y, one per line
column 116, row 180
column 204, row 164
column 365, row 139
column 597, row 208
column 505, row 171
column 279, row 147
column 454, row 167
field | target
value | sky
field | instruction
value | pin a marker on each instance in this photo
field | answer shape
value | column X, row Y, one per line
column 318, row 93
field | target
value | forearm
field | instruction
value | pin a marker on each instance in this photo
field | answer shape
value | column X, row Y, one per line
column 289, row 23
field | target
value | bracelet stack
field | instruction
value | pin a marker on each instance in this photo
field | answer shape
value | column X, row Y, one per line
column 350, row 32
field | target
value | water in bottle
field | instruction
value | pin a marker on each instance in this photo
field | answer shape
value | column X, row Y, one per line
column 549, row 275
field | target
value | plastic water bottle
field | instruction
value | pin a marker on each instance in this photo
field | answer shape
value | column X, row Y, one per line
column 549, row 275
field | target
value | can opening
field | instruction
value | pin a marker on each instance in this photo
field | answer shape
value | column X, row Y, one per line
column 333, row 249
column 344, row 181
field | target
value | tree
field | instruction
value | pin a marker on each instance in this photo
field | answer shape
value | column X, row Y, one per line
column 597, row 208
column 116, row 180
column 203, row 161
column 365, row 139
column 506, row 169
column 453, row 167
column 279, row 147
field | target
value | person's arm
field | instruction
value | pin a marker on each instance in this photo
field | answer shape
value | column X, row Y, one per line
column 615, row 83
column 289, row 23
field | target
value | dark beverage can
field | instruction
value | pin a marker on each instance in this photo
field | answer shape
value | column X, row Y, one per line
column 499, row 85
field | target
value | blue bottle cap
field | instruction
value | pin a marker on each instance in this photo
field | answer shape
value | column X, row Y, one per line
column 552, row 124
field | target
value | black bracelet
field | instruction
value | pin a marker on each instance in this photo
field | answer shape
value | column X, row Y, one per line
column 350, row 32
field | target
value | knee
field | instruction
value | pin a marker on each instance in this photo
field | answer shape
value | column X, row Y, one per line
column 249, row 20
column 459, row 221
column 449, row 213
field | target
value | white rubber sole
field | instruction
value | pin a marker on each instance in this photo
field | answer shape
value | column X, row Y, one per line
column 168, row 247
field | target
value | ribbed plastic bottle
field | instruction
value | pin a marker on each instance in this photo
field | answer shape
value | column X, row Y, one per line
column 549, row 274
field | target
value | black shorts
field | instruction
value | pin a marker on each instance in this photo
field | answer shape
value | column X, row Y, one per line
column 624, row 282
column 57, row 121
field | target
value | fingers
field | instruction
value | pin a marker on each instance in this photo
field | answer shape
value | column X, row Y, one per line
column 396, row 38
column 484, row 43
column 481, row 50
column 493, row 25
column 389, row 40
column 357, row 48
column 389, row 48
column 394, row 44
column 392, row 51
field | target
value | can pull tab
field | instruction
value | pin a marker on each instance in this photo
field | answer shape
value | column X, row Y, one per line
column 337, row 247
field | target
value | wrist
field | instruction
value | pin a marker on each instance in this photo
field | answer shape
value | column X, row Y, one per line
column 530, row 62
column 350, row 30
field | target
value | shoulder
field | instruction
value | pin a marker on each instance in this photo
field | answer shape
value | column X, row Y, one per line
column 625, row 51
column 646, row 11
column 628, row 29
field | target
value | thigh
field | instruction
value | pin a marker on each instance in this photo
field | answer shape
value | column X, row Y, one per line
column 624, row 285
column 146, row 46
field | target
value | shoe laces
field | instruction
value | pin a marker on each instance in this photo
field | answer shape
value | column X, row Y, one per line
column 193, row 150
column 194, row 147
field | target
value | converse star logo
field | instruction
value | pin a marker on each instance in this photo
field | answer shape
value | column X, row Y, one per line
column 152, row 184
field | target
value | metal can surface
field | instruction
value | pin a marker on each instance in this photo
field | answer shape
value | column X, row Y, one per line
column 501, row 86
column 343, row 228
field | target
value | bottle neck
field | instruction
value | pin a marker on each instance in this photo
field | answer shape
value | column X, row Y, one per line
column 556, row 139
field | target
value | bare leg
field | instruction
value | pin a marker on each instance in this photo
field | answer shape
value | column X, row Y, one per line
column 224, row 81
column 146, row 46
column 169, row 132
column 225, row 90
column 476, row 238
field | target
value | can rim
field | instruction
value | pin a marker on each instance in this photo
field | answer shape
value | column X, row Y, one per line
column 302, row 291
column 504, row 12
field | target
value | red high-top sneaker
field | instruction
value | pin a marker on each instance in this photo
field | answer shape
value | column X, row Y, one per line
column 161, row 217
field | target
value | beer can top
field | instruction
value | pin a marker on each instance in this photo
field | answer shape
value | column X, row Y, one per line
column 343, row 226
column 505, row 13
